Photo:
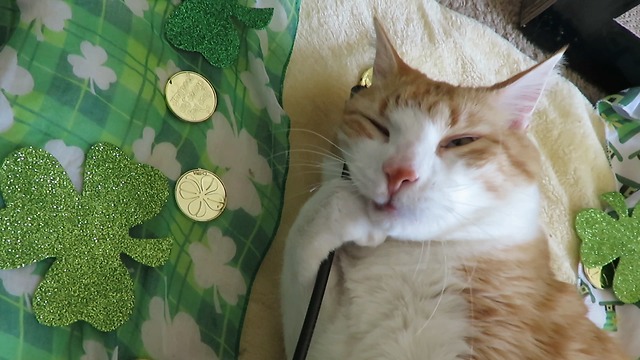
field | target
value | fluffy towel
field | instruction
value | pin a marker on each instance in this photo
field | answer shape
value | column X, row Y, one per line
column 334, row 45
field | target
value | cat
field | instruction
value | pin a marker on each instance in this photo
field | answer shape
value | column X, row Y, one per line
column 440, row 253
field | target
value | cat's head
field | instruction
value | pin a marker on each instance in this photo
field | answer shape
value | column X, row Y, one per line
column 437, row 161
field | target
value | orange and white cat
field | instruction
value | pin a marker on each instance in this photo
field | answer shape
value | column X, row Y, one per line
column 440, row 253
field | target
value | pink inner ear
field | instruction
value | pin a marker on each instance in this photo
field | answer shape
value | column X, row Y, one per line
column 387, row 60
column 519, row 102
column 520, row 94
column 521, row 112
column 521, row 124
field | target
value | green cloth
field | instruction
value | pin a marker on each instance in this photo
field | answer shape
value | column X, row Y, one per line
column 75, row 73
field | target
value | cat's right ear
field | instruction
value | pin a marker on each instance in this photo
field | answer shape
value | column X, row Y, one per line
column 387, row 62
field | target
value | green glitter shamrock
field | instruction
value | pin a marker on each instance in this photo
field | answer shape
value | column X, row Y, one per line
column 45, row 217
column 206, row 26
column 605, row 239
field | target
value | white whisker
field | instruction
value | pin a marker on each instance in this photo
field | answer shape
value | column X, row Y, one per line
column 418, row 265
column 322, row 137
column 445, row 278
column 326, row 154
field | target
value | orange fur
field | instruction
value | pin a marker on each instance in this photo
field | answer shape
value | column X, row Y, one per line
column 515, row 299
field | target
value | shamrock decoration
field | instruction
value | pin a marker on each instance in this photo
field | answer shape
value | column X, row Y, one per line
column 605, row 239
column 206, row 26
column 45, row 217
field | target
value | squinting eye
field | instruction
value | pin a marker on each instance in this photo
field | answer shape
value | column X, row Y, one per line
column 383, row 130
column 461, row 141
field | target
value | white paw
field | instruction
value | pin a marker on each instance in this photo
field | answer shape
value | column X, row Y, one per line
column 350, row 216
column 336, row 214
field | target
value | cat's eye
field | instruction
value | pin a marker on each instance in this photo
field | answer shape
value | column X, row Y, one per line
column 459, row 141
column 383, row 130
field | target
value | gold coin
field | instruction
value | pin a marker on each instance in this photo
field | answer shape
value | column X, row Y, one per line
column 200, row 195
column 190, row 96
column 366, row 78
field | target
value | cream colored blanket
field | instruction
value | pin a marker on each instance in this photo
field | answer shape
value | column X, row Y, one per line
column 334, row 45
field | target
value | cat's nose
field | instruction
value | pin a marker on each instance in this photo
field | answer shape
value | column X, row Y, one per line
column 399, row 176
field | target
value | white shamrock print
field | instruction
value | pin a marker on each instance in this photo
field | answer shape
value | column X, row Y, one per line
column 280, row 19
column 164, row 74
column 238, row 153
column 263, row 38
column 257, row 83
column 137, row 7
column 94, row 350
column 46, row 13
column 169, row 339
column 89, row 66
column 162, row 156
column 21, row 281
column 70, row 157
column 211, row 268
column 15, row 80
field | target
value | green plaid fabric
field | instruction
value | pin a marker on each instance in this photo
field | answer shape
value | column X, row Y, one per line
column 74, row 73
column 9, row 16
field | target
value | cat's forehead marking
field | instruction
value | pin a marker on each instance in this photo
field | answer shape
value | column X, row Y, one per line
column 435, row 99
column 413, row 115
column 414, row 123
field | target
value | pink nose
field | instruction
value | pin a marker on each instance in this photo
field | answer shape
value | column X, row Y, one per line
column 399, row 176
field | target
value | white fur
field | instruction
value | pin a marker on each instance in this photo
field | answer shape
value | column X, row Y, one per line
column 446, row 193
column 397, row 301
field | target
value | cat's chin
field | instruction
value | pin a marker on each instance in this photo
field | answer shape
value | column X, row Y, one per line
column 387, row 207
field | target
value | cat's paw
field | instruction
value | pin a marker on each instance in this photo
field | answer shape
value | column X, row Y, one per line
column 336, row 214
column 350, row 215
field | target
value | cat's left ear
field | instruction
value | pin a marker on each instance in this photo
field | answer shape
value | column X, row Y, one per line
column 519, row 95
column 387, row 61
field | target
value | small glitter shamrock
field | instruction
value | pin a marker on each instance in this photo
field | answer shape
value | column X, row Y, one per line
column 206, row 26
column 45, row 217
column 605, row 239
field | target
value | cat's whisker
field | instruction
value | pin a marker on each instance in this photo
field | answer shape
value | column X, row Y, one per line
column 305, row 192
column 318, row 165
column 419, row 264
column 314, row 172
column 311, row 187
column 323, row 154
column 309, row 148
column 313, row 165
column 470, row 275
column 324, row 149
column 333, row 144
column 450, row 210
column 322, row 137
column 445, row 279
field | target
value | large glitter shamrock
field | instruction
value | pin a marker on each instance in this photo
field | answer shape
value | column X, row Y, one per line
column 206, row 26
column 45, row 217
column 605, row 239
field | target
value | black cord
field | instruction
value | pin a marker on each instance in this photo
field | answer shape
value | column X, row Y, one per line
column 313, row 310
column 304, row 340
